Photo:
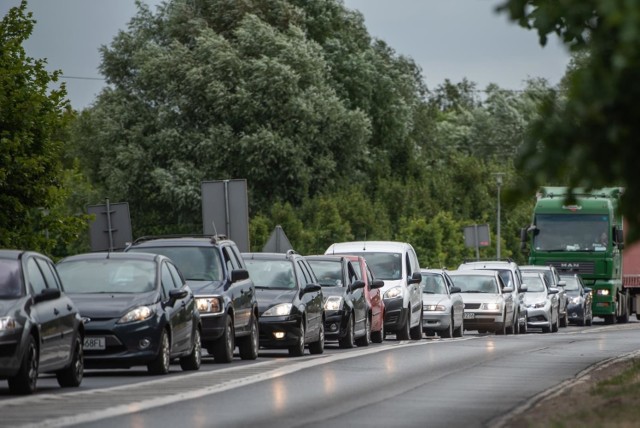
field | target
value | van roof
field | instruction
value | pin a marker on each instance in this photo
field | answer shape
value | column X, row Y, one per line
column 367, row 246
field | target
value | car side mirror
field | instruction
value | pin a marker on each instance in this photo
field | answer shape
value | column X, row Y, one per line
column 416, row 278
column 562, row 283
column 239, row 275
column 523, row 287
column 176, row 294
column 454, row 290
column 506, row 290
column 357, row 284
column 377, row 283
column 587, row 290
column 310, row 288
column 553, row 291
column 47, row 294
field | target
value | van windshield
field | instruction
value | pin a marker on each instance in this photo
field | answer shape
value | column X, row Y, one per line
column 385, row 266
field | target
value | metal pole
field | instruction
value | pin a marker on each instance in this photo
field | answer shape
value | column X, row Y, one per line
column 109, row 230
column 227, row 220
column 475, row 229
column 499, row 183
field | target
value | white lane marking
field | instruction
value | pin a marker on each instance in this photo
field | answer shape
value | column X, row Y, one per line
column 199, row 393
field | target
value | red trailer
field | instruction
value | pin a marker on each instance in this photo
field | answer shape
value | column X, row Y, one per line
column 631, row 273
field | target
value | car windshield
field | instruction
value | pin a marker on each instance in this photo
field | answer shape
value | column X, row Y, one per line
column 107, row 276
column 571, row 283
column 328, row 272
column 534, row 284
column 432, row 283
column 10, row 279
column 386, row 266
column 475, row 283
column 195, row 263
column 276, row 274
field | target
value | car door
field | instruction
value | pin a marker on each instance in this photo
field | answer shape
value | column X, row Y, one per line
column 415, row 289
column 240, row 292
column 46, row 313
column 456, row 301
column 174, row 313
column 185, row 306
column 357, row 298
column 312, row 302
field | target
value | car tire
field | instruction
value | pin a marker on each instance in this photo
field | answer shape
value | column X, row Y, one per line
column 365, row 340
column 297, row 350
column 416, row 332
column 160, row 365
column 193, row 361
column 224, row 346
column 511, row 329
column 589, row 321
column 348, row 340
column 71, row 376
column 448, row 333
column 317, row 347
column 249, row 345
column 582, row 321
column 24, row 382
column 459, row 332
column 565, row 319
column 404, row 333
column 378, row 336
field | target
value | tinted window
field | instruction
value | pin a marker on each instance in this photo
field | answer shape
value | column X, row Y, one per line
column 384, row 265
column 433, row 284
column 10, row 279
column 271, row 273
column 177, row 279
column 49, row 275
column 307, row 276
column 107, row 276
column 475, row 283
column 328, row 272
column 36, row 279
column 167, row 280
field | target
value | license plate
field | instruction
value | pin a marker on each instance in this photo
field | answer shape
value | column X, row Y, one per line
column 469, row 315
column 94, row 343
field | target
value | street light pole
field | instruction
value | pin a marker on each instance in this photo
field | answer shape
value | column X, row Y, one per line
column 499, row 184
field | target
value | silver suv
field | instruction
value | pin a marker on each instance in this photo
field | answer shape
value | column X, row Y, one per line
column 512, row 277
column 397, row 265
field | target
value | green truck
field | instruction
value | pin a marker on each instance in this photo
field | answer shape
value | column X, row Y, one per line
column 585, row 238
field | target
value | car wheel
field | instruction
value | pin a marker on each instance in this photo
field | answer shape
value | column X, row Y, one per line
column 160, row 365
column 502, row 328
column 449, row 331
column 565, row 319
column 524, row 328
column 554, row 326
column 378, row 336
column 404, row 333
column 71, row 376
column 297, row 350
column 249, row 345
column 366, row 339
column 317, row 347
column 459, row 332
column 224, row 346
column 348, row 341
column 511, row 329
column 24, row 382
column 194, row 359
column 416, row 332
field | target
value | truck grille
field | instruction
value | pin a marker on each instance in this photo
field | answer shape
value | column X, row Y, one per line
column 578, row 267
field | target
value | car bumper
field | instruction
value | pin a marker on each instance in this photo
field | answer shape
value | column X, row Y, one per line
column 10, row 353
column 575, row 312
column 126, row 345
column 483, row 320
column 435, row 321
column 395, row 315
column 335, row 325
column 538, row 317
column 288, row 327
column 212, row 327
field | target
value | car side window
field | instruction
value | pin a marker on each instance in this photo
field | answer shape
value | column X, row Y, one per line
column 235, row 253
column 229, row 259
column 353, row 277
column 369, row 276
column 37, row 283
column 177, row 278
column 302, row 278
column 49, row 276
column 167, row 280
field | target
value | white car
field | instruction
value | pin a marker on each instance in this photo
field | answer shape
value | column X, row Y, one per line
column 442, row 305
column 541, row 302
column 397, row 265
column 488, row 303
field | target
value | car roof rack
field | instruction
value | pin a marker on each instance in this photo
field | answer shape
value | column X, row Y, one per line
column 214, row 238
column 508, row 259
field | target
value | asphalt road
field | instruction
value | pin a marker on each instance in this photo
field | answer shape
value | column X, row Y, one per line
column 471, row 382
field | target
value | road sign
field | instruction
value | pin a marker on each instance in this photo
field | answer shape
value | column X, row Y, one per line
column 225, row 210
column 111, row 228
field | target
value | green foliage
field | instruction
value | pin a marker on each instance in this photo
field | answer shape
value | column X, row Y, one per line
column 587, row 139
column 33, row 125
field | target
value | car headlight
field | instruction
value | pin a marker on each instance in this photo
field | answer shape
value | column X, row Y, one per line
column 393, row 293
column 278, row 310
column 8, row 324
column 209, row 305
column 431, row 308
column 140, row 313
column 576, row 300
column 603, row 292
column 333, row 303
column 491, row 306
column 538, row 305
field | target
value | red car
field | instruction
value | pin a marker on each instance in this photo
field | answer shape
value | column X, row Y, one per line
column 372, row 294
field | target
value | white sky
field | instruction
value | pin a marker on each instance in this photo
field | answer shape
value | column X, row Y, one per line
column 450, row 39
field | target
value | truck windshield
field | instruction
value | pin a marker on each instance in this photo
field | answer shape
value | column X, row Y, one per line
column 571, row 232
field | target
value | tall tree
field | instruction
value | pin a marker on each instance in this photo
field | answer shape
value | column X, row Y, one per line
column 33, row 123
column 589, row 138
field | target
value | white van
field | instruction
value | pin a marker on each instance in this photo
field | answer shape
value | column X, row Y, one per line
column 397, row 265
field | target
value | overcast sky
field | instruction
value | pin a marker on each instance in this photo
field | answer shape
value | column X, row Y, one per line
column 450, row 39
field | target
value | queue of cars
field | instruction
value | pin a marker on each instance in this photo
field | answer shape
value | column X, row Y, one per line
column 166, row 299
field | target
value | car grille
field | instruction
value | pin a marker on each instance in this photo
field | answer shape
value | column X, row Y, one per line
column 472, row 305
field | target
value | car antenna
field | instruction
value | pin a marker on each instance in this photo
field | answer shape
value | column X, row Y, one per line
column 364, row 244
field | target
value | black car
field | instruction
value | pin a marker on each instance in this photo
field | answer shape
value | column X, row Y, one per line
column 225, row 295
column 290, row 301
column 136, row 308
column 40, row 328
column 580, row 300
column 347, row 313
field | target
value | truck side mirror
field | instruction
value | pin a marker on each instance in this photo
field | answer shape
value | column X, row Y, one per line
column 523, row 239
column 619, row 236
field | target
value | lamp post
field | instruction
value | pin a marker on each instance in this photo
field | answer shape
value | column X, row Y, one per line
column 499, row 184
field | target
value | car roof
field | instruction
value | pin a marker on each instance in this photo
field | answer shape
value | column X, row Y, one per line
column 535, row 267
column 367, row 246
column 432, row 270
column 181, row 240
column 113, row 255
column 269, row 256
column 491, row 264
column 11, row 254
column 328, row 257
column 483, row 272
